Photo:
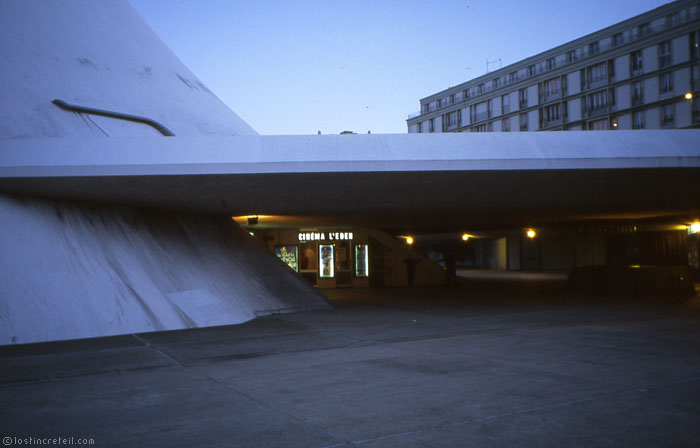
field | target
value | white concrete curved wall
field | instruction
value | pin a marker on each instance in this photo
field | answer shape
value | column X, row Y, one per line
column 98, row 54
column 74, row 271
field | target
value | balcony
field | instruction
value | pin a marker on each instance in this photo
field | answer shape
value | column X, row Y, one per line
column 589, row 112
column 549, row 123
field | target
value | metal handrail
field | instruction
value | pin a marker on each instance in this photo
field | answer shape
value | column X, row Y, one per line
column 111, row 114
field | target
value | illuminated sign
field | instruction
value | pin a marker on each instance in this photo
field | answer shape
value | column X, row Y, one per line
column 324, row 236
column 288, row 254
column 361, row 260
column 326, row 260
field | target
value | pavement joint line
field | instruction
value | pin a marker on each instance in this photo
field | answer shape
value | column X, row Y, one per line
column 157, row 350
column 264, row 404
column 641, row 389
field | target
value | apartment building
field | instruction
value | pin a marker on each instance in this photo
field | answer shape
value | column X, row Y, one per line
column 642, row 73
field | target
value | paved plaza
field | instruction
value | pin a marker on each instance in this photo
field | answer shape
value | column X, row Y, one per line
column 522, row 364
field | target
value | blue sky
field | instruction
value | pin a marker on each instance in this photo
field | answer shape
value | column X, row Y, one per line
column 297, row 67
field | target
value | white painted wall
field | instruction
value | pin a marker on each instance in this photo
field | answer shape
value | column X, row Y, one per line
column 574, row 82
column 651, row 89
column 681, row 81
column 681, row 49
column 623, row 96
column 514, row 106
column 624, row 121
column 500, row 254
column 653, row 119
column 533, row 120
column 574, row 107
column 683, row 116
column 496, row 107
column 622, row 67
column 514, row 123
column 532, row 99
column 650, row 59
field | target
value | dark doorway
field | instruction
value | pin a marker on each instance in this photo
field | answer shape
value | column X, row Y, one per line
column 379, row 263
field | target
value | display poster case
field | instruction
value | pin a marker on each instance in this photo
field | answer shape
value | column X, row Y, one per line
column 326, row 261
column 289, row 254
column 361, row 260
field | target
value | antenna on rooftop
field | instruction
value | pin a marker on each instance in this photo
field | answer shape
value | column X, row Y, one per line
column 492, row 62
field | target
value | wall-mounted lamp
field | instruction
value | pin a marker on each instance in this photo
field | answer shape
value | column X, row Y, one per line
column 531, row 233
column 465, row 237
column 694, row 227
column 689, row 96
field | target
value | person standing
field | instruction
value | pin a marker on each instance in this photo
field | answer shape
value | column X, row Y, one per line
column 411, row 262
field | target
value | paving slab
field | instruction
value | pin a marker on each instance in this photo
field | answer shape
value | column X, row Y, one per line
column 424, row 367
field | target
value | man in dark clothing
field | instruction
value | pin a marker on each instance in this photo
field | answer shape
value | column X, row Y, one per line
column 410, row 268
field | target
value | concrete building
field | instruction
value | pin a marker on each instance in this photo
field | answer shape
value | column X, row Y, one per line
column 120, row 172
column 642, row 73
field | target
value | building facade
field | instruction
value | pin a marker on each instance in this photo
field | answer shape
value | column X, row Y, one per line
column 642, row 73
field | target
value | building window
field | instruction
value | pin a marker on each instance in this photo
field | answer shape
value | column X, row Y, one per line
column 598, row 125
column 644, row 29
column 571, row 56
column 496, row 83
column 551, row 63
column 426, row 108
column 666, row 82
column 551, row 114
column 550, row 89
column 451, row 99
column 489, row 105
column 593, row 48
column 505, row 104
column 637, row 93
column 439, row 103
column 598, row 102
column 665, row 56
column 668, row 113
column 523, row 122
column 431, row 125
column 451, row 120
column 618, row 39
column 480, row 89
column 480, row 128
column 530, row 71
column 673, row 19
column 522, row 96
column 596, row 74
column 638, row 120
column 636, row 60
column 512, row 77
column 505, row 125
column 465, row 93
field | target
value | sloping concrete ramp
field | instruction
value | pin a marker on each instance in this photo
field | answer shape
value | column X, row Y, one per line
column 70, row 270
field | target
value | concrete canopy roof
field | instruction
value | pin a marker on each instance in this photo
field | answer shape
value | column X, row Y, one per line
column 422, row 182
column 102, row 55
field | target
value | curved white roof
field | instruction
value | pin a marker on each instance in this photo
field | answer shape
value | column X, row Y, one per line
column 98, row 54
